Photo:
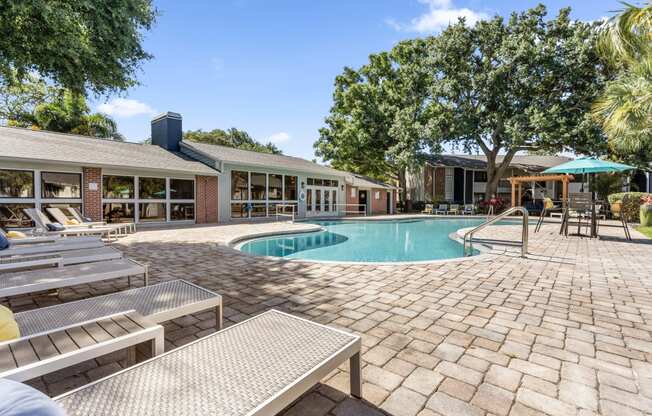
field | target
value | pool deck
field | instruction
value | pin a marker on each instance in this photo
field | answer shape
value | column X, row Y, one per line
column 566, row 331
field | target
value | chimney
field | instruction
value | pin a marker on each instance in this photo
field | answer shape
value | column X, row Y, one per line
column 166, row 131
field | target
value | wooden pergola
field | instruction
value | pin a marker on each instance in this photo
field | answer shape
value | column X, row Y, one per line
column 517, row 182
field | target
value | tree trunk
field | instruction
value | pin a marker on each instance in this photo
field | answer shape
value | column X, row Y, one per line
column 496, row 172
column 402, row 183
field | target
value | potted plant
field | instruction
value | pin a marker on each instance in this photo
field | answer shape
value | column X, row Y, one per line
column 646, row 211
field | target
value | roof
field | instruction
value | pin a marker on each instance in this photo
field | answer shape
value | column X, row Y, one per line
column 533, row 163
column 362, row 181
column 20, row 143
column 231, row 155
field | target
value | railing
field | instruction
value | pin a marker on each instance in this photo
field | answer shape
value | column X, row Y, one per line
column 524, row 234
column 352, row 211
column 283, row 213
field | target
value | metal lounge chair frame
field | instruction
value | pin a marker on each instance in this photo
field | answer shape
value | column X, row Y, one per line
column 42, row 221
column 442, row 209
column 128, row 226
column 60, row 259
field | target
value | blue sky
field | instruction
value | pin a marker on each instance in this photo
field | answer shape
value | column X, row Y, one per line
column 268, row 67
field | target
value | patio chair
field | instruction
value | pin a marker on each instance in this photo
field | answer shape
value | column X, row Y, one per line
column 41, row 220
column 77, row 214
column 17, row 247
column 428, row 209
column 158, row 303
column 454, row 209
column 19, row 283
column 469, row 209
column 254, row 368
column 35, row 355
column 63, row 219
column 65, row 258
column 443, row 209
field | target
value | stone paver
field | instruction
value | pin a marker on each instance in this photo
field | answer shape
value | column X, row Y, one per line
column 566, row 331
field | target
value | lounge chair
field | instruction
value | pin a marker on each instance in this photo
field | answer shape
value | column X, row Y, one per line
column 60, row 245
column 64, row 258
column 19, row 283
column 469, row 209
column 62, row 218
column 41, row 220
column 76, row 214
column 443, row 209
column 257, row 367
column 35, row 355
column 428, row 209
column 158, row 303
column 454, row 209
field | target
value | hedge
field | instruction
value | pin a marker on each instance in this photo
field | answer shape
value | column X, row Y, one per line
column 631, row 203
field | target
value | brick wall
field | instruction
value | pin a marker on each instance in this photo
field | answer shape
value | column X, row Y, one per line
column 378, row 206
column 206, row 201
column 92, row 197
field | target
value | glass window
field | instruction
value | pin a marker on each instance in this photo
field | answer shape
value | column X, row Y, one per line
column 480, row 176
column 16, row 184
column 118, row 212
column 309, row 200
column 12, row 216
column 317, row 200
column 258, row 186
column 291, row 188
column 327, row 204
column 151, row 188
column 239, row 210
column 239, row 185
column 118, row 187
column 60, row 185
column 182, row 212
column 151, row 212
column 275, row 187
column 259, row 210
column 335, row 201
column 319, row 182
column 182, row 189
column 311, row 181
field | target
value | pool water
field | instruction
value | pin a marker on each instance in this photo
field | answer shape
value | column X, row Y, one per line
column 368, row 241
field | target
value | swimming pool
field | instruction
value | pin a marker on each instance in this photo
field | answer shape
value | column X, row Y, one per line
column 368, row 241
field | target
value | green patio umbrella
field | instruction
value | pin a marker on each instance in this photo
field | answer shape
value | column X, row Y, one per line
column 589, row 165
column 584, row 165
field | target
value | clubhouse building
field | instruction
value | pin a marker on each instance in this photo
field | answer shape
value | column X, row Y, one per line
column 172, row 180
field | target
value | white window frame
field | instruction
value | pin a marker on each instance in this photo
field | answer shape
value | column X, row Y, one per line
column 136, row 200
column 266, row 201
column 37, row 200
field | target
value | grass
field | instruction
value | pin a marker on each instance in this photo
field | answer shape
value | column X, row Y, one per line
column 647, row 231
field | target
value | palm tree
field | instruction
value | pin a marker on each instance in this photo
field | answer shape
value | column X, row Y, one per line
column 625, row 108
column 69, row 113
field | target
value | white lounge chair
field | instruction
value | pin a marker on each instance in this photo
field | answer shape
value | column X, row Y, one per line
column 63, row 244
column 428, row 209
column 41, row 220
column 454, row 209
column 18, row 283
column 76, row 214
column 442, row 209
column 254, row 368
column 64, row 258
column 159, row 303
column 62, row 218
column 35, row 355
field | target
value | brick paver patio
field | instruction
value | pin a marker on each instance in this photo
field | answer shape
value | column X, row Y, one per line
column 567, row 331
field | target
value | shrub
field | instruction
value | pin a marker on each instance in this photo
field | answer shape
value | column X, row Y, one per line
column 632, row 202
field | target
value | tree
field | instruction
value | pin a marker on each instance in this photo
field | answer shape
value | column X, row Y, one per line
column 19, row 99
column 69, row 113
column 77, row 44
column 232, row 138
column 625, row 108
column 379, row 124
column 524, row 84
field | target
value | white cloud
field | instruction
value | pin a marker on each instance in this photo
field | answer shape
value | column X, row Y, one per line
column 124, row 107
column 280, row 137
column 440, row 14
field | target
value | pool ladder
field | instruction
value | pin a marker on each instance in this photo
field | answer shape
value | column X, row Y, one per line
column 468, row 237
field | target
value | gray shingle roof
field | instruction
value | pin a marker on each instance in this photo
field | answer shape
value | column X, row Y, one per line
column 362, row 181
column 533, row 163
column 249, row 158
column 17, row 143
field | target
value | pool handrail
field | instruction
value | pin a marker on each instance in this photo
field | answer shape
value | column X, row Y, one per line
column 524, row 233
column 283, row 213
